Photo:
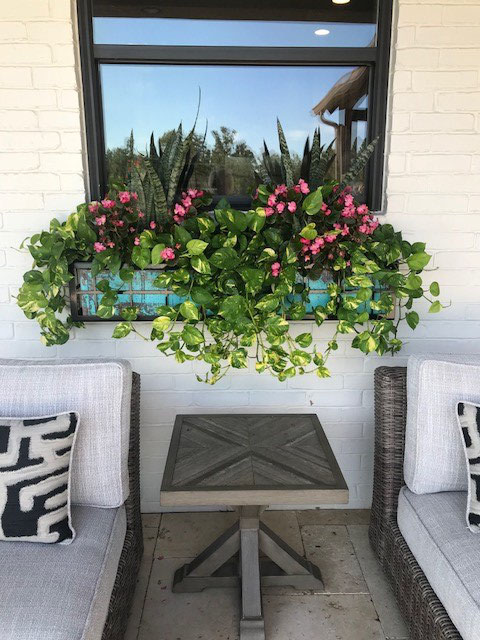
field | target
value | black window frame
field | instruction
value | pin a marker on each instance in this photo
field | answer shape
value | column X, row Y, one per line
column 376, row 58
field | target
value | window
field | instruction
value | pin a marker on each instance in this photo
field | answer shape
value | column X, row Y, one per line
column 149, row 65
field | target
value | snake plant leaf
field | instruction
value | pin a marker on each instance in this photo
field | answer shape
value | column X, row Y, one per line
column 136, row 184
column 159, row 199
column 285, row 155
column 315, row 175
column 306, row 160
column 154, row 157
column 358, row 165
column 176, row 170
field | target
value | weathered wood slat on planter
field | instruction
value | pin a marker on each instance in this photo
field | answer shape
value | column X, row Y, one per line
column 85, row 296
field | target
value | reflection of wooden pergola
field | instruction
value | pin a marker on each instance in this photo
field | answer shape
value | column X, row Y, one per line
column 344, row 96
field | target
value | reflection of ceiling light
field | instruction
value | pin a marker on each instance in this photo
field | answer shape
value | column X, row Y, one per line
column 322, row 32
column 340, row 1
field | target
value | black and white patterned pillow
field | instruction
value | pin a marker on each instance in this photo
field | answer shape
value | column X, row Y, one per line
column 469, row 421
column 35, row 456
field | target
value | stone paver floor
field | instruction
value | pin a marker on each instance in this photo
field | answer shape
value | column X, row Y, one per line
column 357, row 603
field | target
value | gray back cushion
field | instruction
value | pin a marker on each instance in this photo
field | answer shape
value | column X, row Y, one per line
column 434, row 456
column 99, row 391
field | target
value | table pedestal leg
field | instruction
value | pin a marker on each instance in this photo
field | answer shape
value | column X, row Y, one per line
column 251, row 624
column 233, row 560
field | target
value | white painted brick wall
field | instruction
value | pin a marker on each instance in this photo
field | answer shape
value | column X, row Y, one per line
column 433, row 189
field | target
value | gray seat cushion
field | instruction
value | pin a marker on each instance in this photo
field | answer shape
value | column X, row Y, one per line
column 448, row 553
column 54, row 592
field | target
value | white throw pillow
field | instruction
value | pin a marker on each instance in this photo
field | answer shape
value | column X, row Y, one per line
column 469, row 423
column 434, row 455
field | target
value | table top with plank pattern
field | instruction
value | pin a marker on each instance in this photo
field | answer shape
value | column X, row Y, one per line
column 251, row 459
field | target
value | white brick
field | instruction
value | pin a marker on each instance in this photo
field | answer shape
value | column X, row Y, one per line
column 63, row 54
column 460, row 58
column 27, row 98
column 12, row 31
column 445, row 36
column 443, row 122
column 431, row 203
column 418, row 14
column 58, row 120
column 62, row 201
column 15, row 120
column 24, row 9
column 60, row 10
column 413, row 102
column 25, row 54
column 460, row 143
column 72, row 181
column 69, row 99
column 276, row 398
column 50, row 32
column 461, row 15
column 341, row 398
column 414, row 58
column 402, row 81
column 428, row 80
column 61, row 162
column 440, row 163
column 36, row 181
column 11, row 77
column 33, row 140
column 459, row 101
column 407, row 142
column 64, row 77
column 12, row 202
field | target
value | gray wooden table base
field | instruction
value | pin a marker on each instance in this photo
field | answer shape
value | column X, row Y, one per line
column 220, row 566
column 248, row 460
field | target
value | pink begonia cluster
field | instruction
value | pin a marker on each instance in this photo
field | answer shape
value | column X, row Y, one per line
column 276, row 268
column 279, row 201
column 186, row 202
column 112, row 216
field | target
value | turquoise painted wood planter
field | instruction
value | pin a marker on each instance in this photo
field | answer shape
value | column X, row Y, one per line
column 85, row 297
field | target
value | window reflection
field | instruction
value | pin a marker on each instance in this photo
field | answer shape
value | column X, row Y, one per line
column 237, row 115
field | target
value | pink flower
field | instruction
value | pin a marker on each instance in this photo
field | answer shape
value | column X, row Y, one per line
column 100, row 220
column 110, row 244
column 276, row 266
column 153, row 225
column 292, row 206
column 280, row 207
column 330, row 238
column 304, row 188
column 134, row 195
column 348, row 200
column 132, row 229
column 118, row 223
column 136, row 241
column 93, row 207
column 269, row 211
column 325, row 209
column 179, row 210
column 108, row 204
column 330, row 256
column 281, row 190
column 178, row 245
column 307, row 258
column 272, row 200
column 362, row 209
column 141, row 215
column 187, row 202
column 99, row 247
column 349, row 212
column 168, row 254
column 305, row 240
column 124, row 197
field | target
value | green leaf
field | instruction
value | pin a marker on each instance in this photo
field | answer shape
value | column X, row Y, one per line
column 141, row 257
column 304, row 340
column 257, row 219
column 413, row 282
column 122, row 329
column 157, row 253
column 161, row 323
column 196, row 247
column 201, row 264
column 189, row 310
column 129, row 313
column 359, row 281
column 127, row 273
column 201, row 296
column 300, row 358
column 253, row 278
column 181, row 235
column 435, row 289
column 233, row 307
column 104, row 311
column 276, row 326
column 268, row 303
column 238, row 359
column 418, row 261
column 225, row 258
column 236, row 221
column 313, row 202
column 147, row 239
column 192, row 336
column 205, row 225
column 162, row 281
column 320, row 314
column 33, row 277
column 309, row 232
column 412, row 319
column 297, row 311
column 435, row 307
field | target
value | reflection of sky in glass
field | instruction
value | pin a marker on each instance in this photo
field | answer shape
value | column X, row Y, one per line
column 173, row 31
column 248, row 99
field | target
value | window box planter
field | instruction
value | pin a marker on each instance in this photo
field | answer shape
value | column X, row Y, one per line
column 85, row 296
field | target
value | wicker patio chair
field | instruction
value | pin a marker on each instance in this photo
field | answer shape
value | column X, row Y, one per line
column 126, row 579
column 423, row 611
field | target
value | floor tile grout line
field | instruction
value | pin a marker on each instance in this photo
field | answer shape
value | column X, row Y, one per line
column 149, row 573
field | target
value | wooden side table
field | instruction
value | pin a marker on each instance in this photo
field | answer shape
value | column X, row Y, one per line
column 250, row 461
